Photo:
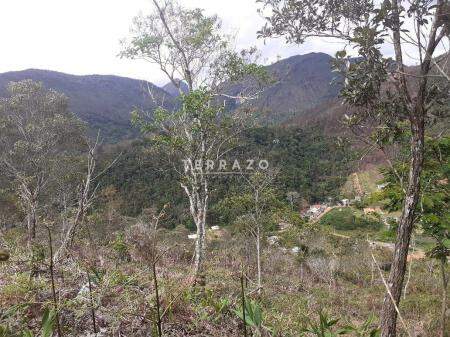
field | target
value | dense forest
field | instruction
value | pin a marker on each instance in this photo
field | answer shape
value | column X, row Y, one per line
column 310, row 164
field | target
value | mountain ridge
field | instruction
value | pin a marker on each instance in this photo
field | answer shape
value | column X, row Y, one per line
column 304, row 82
column 104, row 102
column 302, row 91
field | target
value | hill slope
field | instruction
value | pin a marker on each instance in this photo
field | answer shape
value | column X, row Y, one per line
column 304, row 82
column 302, row 93
column 104, row 102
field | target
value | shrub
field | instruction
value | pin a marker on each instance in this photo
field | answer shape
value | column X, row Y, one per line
column 326, row 327
column 120, row 246
column 347, row 219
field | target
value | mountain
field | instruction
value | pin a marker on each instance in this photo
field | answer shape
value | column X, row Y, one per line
column 305, row 91
column 173, row 90
column 103, row 101
column 302, row 93
column 303, row 83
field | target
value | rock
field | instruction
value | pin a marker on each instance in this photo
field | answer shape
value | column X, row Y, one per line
column 84, row 290
column 192, row 236
column 214, row 228
column 295, row 250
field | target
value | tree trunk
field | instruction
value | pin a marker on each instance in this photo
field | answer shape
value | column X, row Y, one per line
column 83, row 205
column 200, row 244
column 52, row 279
column 69, row 235
column 258, row 257
column 416, row 119
column 200, row 252
column 198, row 206
column 444, row 330
column 31, row 224
column 406, row 223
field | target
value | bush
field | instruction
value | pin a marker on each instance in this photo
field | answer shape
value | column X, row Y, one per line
column 347, row 219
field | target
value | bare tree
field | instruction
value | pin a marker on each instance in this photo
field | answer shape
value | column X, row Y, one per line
column 190, row 48
column 85, row 196
column 256, row 205
column 259, row 185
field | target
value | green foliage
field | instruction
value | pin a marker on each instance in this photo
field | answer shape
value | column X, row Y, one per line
column 48, row 323
column 391, row 233
column 237, row 66
column 196, row 33
column 326, row 327
column 366, row 329
column 433, row 207
column 346, row 218
column 144, row 178
column 47, row 327
column 233, row 209
column 39, row 139
column 120, row 246
column 190, row 44
column 381, row 99
column 207, row 304
column 222, row 305
column 314, row 165
column 435, row 200
column 253, row 314
column 119, row 278
column 38, row 254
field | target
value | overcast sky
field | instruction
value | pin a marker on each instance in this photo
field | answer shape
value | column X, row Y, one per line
column 82, row 36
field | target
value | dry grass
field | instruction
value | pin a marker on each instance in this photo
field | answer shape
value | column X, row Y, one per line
column 336, row 275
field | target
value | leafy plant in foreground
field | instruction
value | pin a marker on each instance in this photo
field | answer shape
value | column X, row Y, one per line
column 253, row 317
column 326, row 327
column 47, row 327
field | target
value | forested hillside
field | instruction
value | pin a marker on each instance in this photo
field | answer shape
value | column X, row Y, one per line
column 104, row 102
column 302, row 90
column 303, row 83
column 312, row 164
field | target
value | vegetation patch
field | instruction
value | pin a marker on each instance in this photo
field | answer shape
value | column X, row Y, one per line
column 347, row 218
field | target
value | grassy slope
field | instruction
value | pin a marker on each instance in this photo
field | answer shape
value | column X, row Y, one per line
column 368, row 180
column 335, row 275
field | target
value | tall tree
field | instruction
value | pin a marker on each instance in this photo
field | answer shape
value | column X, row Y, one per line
column 190, row 48
column 433, row 213
column 380, row 90
column 36, row 130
